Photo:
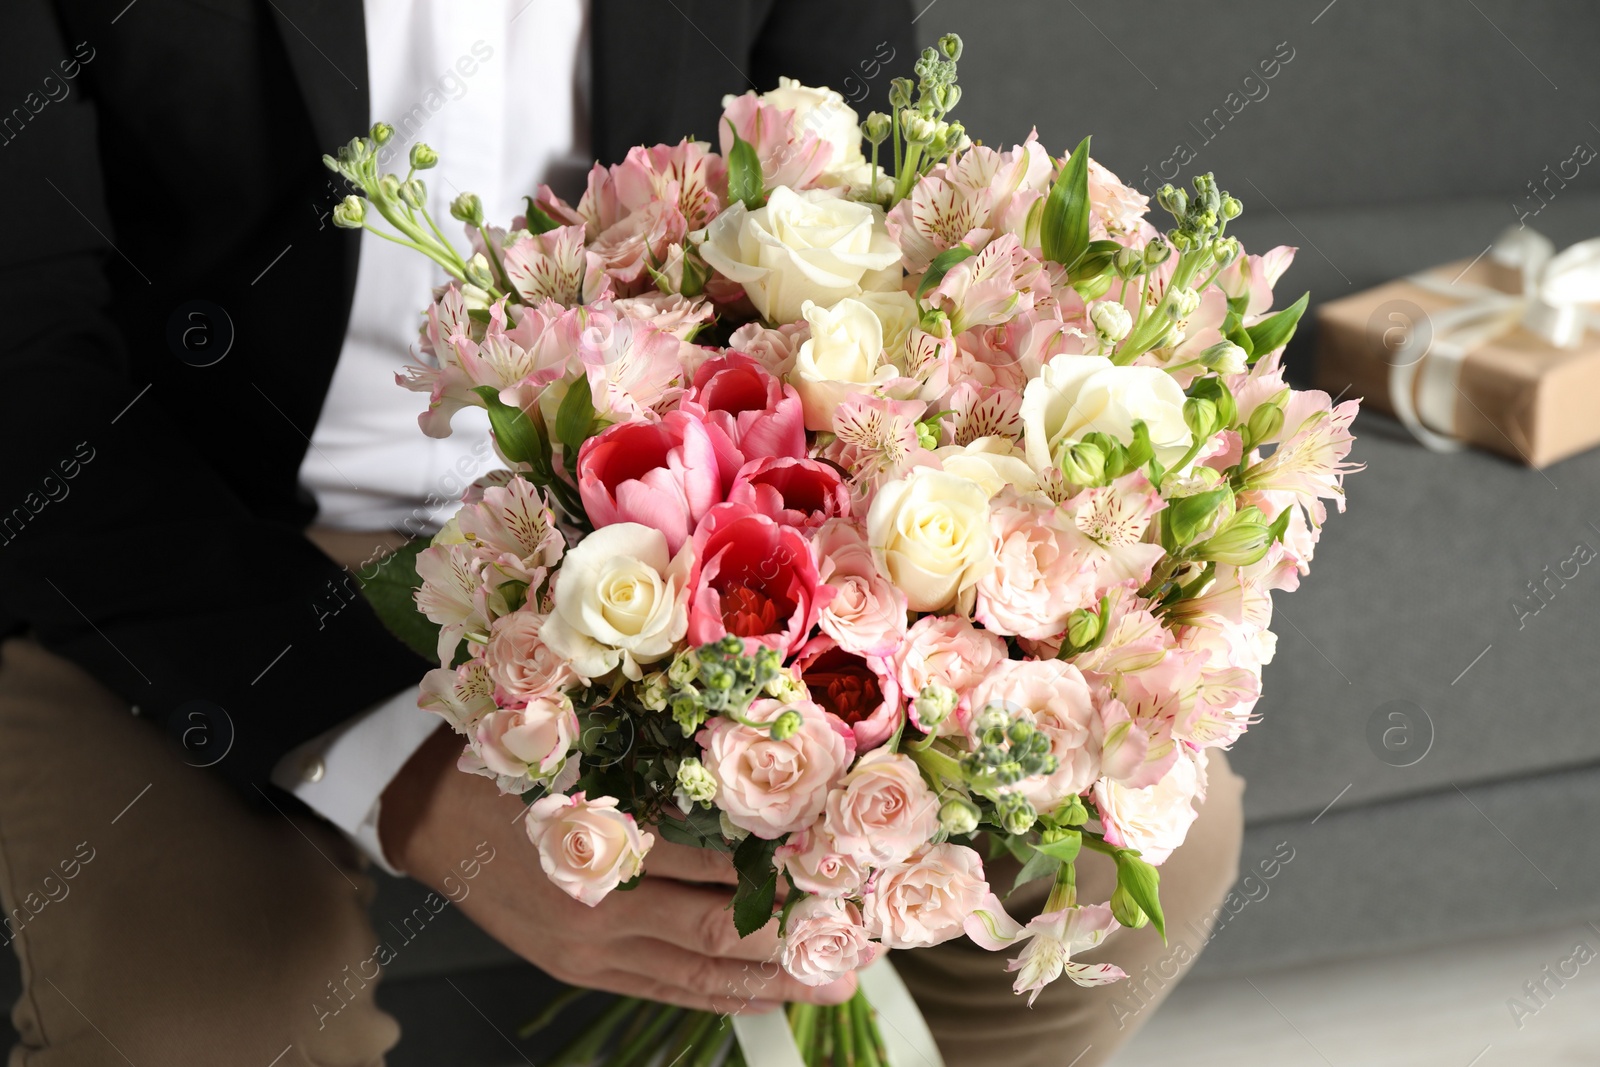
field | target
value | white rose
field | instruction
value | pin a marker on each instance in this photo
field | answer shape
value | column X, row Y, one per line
column 992, row 462
column 802, row 246
column 620, row 600
column 843, row 355
column 929, row 533
column 823, row 112
column 1155, row 819
column 897, row 311
column 1078, row 395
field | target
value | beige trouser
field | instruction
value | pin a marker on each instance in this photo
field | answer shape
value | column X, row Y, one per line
column 161, row 921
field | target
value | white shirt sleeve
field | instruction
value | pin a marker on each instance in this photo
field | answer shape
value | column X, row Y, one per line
column 341, row 774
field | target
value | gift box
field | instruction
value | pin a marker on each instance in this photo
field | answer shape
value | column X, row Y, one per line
column 1501, row 352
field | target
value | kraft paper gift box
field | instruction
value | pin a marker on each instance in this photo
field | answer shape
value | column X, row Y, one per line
column 1501, row 353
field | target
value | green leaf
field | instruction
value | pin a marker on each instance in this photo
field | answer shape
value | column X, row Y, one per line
column 1142, row 882
column 1236, row 310
column 392, row 594
column 1274, row 331
column 1039, row 865
column 941, row 266
column 700, row 828
column 575, row 416
column 746, row 183
column 538, row 220
column 1064, row 229
column 521, row 436
column 758, row 884
column 1065, row 849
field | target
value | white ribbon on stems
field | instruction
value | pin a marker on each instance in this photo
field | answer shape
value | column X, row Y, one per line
column 1425, row 371
column 767, row 1041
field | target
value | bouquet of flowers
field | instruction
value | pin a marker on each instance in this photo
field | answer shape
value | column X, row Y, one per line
column 861, row 509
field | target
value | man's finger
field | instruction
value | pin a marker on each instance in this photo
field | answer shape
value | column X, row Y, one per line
column 692, row 917
column 729, row 984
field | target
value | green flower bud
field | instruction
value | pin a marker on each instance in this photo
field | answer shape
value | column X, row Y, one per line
column 1224, row 357
column 414, row 193
column 1016, row 814
column 950, row 45
column 1183, row 301
column 958, row 816
column 1111, row 320
column 478, row 271
column 1072, row 812
column 1128, row 263
column 1201, row 416
column 1226, row 250
column 785, row 725
column 917, row 128
column 991, row 721
column 381, row 132
column 652, row 691
column 687, row 713
column 1174, row 201
column 934, row 704
column 949, row 97
column 695, row 783
column 1125, row 911
column 1231, row 207
column 876, row 127
column 1239, row 544
column 467, row 208
column 389, row 187
column 349, row 213
column 1083, row 463
column 423, row 157
column 1083, row 628
column 900, row 90
column 1265, row 423
column 684, row 669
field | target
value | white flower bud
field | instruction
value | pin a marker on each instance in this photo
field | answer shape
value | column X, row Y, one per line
column 1111, row 320
column 652, row 691
column 695, row 783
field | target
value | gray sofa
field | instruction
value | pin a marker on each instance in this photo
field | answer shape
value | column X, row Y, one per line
column 1394, row 137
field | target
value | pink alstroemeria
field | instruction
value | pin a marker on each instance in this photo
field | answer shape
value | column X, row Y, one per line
column 979, row 196
column 1053, row 939
column 452, row 575
column 634, row 369
column 1255, row 276
column 554, row 266
column 515, row 528
column 991, row 287
column 1114, row 518
column 461, row 696
column 876, row 440
column 660, row 474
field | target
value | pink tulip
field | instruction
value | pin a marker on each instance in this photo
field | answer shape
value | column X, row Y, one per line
column 659, row 474
column 754, row 578
column 749, row 412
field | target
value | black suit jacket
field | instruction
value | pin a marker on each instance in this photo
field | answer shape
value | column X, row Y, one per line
column 164, row 152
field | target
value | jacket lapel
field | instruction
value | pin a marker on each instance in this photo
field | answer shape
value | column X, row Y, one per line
column 327, row 45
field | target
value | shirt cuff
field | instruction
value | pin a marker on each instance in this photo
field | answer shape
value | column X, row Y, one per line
column 341, row 774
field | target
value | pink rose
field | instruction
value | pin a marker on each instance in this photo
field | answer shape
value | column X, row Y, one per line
column 530, row 742
column 926, row 900
column 860, row 690
column 867, row 615
column 816, row 866
column 586, row 847
column 753, row 578
column 522, row 665
column 658, row 474
column 826, row 941
column 1155, row 819
column 1057, row 699
column 749, row 413
column 794, row 491
column 1042, row 572
column 772, row 787
column 950, row 651
column 883, row 811
column 775, row 349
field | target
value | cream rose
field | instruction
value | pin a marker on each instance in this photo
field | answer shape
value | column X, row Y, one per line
column 826, row 941
column 823, row 112
column 926, row 900
column 929, row 533
column 802, row 246
column 1155, row 819
column 586, row 847
column 1077, row 395
column 992, row 462
column 898, row 313
column 620, row 601
column 773, row 787
column 843, row 355
column 883, row 811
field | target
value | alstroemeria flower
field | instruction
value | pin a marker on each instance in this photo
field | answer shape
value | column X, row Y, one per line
column 1053, row 939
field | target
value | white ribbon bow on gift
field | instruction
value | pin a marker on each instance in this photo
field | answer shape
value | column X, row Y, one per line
column 767, row 1042
column 1425, row 371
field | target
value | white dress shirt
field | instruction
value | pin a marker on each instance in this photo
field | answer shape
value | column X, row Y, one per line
column 499, row 89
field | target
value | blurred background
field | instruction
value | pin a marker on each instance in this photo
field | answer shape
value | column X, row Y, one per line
column 1429, row 752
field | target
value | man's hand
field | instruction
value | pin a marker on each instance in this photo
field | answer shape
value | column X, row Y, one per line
column 669, row 939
